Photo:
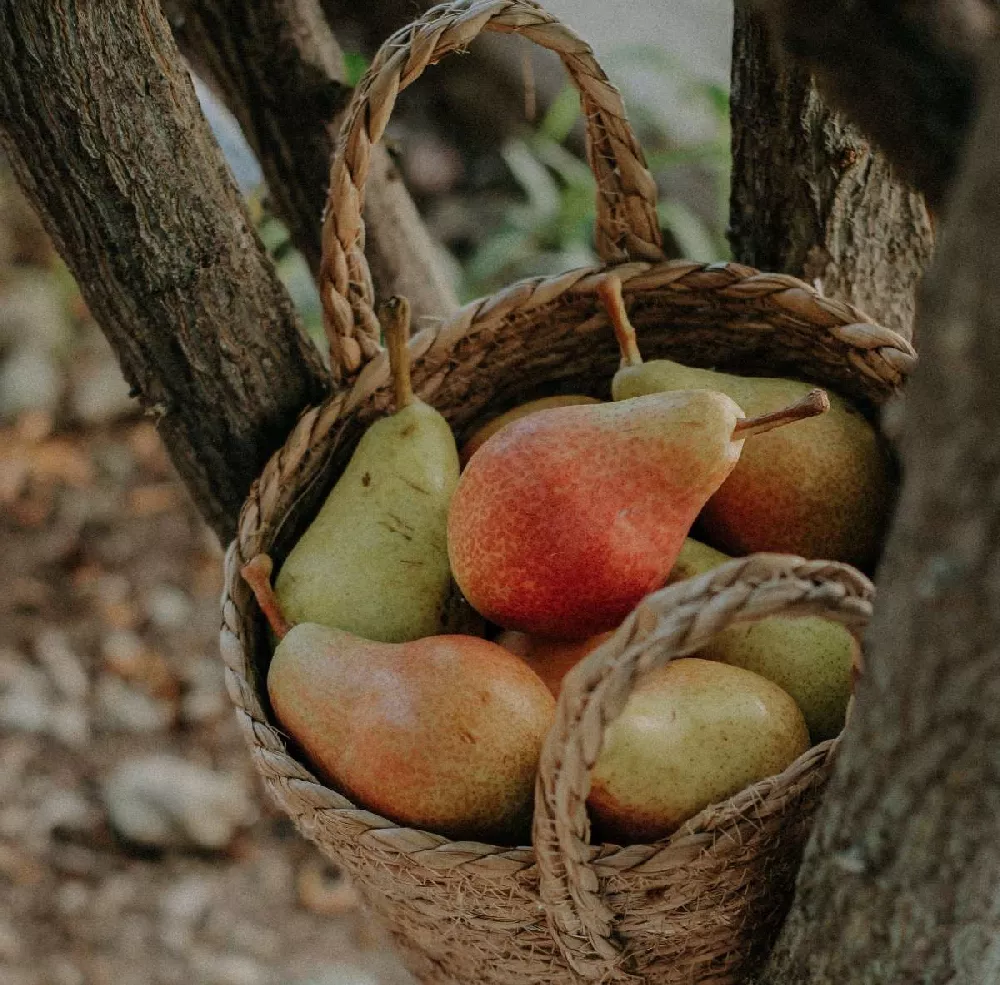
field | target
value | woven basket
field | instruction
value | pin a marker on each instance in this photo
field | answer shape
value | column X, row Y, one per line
column 703, row 905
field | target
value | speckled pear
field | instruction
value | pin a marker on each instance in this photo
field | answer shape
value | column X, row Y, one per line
column 691, row 734
column 565, row 519
column 811, row 658
column 482, row 434
column 374, row 561
column 552, row 660
column 820, row 490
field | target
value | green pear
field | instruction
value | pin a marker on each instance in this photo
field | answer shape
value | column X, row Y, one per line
column 820, row 490
column 691, row 734
column 374, row 562
column 810, row 657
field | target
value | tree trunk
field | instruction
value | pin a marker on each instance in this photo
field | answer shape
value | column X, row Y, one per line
column 281, row 73
column 810, row 196
column 899, row 882
column 104, row 132
column 906, row 72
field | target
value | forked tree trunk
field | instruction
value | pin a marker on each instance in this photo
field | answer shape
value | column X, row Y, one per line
column 101, row 124
column 810, row 196
column 900, row 880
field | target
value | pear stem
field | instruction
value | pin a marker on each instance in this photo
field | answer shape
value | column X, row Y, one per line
column 609, row 290
column 394, row 317
column 814, row 403
column 257, row 574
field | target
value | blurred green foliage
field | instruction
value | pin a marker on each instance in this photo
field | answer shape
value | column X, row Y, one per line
column 548, row 219
column 551, row 229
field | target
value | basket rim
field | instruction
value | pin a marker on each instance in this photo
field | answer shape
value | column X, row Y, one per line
column 876, row 352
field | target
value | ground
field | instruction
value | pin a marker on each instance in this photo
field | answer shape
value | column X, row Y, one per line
column 108, row 653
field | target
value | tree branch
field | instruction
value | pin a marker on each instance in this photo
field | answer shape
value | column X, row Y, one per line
column 810, row 196
column 104, row 132
column 905, row 72
column 281, row 73
column 899, row 882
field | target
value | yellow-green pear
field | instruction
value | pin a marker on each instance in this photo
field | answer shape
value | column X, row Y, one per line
column 693, row 733
column 810, row 657
column 820, row 490
column 374, row 562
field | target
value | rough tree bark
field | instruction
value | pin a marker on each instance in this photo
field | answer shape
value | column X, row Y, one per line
column 899, row 883
column 281, row 73
column 103, row 130
column 810, row 196
column 906, row 72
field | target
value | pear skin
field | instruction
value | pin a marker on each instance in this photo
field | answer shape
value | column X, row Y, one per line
column 490, row 428
column 821, row 489
column 374, row 561
column 811, row 658
column 565, row 519
column 552, row 660
column 693, row 733
column 441, row 733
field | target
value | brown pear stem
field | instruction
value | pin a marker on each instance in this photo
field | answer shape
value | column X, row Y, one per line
column 394, row 316
column 609, row 290
column 257, row 574
column 814, row 403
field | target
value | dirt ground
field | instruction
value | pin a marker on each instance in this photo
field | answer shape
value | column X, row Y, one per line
column 108, row 654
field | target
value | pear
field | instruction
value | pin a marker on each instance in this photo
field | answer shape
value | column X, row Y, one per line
column 565, row 519
column 552, row 660
column 693, row 733
column 811, row 658
column 822, row 490
column 490, row 428
column 375, row 561
column 442, row 733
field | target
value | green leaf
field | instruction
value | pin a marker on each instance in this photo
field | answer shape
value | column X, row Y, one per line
column 561, row 115
column 487, row 267
column 568, row 166
column 534, row 179
column 355, row 66
column 692, row 235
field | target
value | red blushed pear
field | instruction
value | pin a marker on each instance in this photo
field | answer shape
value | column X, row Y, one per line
column 564, row 520
column 822, row 490
column 441, row 733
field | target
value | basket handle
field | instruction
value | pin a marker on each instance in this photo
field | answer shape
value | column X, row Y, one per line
column 627, row 224
column 673, row 622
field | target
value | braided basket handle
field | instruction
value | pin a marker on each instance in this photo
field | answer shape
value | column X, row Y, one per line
column 673, row 622
column 627, row 225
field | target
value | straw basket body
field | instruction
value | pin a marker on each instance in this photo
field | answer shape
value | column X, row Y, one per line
column 703, row 905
